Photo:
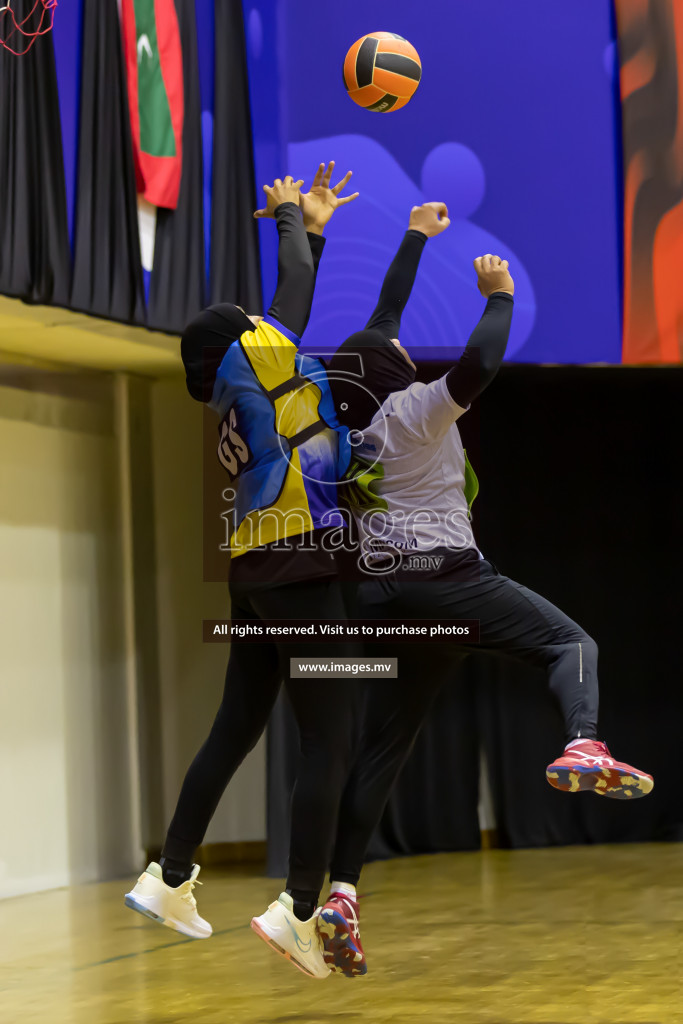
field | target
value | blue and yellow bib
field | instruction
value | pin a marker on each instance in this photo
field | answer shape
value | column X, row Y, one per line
column 279, row 438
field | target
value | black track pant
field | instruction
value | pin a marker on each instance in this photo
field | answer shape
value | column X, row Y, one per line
column 513, row 621
column 323, row 714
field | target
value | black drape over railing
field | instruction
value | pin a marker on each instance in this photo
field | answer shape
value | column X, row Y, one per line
column 581, row 501
column 178, row 284
column 235, row 268
column 34, row 236
column 103, row 275
column 107, row 275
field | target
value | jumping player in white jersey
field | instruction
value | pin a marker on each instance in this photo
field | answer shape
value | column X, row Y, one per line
column 417, row 498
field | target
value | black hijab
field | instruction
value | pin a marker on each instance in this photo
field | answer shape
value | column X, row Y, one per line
column 205, row 342
column 360, row 385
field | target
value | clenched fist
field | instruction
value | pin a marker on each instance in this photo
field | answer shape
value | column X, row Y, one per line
column 493, row 275
column 430, row 218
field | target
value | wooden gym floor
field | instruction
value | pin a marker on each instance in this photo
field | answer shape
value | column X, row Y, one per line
column 584, row 935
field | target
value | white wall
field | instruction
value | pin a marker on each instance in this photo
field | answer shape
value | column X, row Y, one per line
column 68, row 783
column 191, row 672
column 64, row 783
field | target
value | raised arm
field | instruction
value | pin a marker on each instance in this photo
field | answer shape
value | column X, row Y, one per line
column 317, row 206
column 425, row 221
column 428, row 414
column 291, row 305
column 484, row 352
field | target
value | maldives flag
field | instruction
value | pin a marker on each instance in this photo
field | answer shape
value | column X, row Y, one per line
column 154, row 68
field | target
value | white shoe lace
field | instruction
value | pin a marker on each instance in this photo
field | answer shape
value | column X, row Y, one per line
column 186, row 892
column 584, row 756
column 351, row 917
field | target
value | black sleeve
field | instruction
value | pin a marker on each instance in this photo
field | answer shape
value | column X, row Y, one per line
column 295, row 276
column 479, row 363
column 316, row 244
column 398, row 285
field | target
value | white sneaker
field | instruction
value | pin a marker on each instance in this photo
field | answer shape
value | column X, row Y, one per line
column 296, row 940
column 175, row 908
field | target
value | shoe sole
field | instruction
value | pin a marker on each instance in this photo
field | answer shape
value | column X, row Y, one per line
column 340, row 953
column 168, row 922
column 609, row 782
column 282, row 952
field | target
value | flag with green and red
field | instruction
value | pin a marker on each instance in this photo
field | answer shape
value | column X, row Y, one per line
column 154, row 69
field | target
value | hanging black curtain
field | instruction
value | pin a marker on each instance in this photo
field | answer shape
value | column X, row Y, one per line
column 235, row 268
column 177, row 287
column 107, row 275
column 580, row 500
column 34, row 237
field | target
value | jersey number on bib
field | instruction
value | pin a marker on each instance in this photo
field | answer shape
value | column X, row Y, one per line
column 233, row 452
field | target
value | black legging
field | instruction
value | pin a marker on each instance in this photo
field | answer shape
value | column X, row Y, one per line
column 323, row 713
column 512, row 620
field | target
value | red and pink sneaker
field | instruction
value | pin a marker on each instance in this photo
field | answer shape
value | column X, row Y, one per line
column 340, row 934
column 588, row 765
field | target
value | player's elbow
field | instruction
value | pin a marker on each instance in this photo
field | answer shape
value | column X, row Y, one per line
column 487, row 372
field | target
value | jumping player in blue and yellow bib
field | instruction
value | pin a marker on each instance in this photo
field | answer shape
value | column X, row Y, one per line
column 279, row 437
column 281, row 444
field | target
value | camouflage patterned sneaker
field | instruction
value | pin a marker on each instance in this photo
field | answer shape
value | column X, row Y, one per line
column 338, row 928
column 588, row 765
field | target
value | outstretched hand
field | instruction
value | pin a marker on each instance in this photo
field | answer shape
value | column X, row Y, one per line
column 493, row 275
column 430, row 218
column 320, row 202
column 287, row 191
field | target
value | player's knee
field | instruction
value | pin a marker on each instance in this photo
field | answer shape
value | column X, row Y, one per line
column 589, row 649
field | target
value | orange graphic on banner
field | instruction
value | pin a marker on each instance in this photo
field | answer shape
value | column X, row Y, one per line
column 651, row 77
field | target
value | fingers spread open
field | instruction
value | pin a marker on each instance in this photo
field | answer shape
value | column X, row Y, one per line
column 327, row 177
column 340, row 186
column 318, row 176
